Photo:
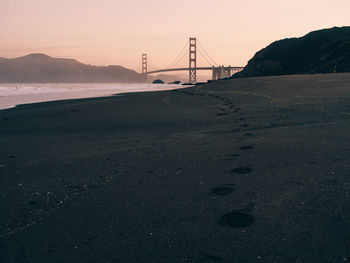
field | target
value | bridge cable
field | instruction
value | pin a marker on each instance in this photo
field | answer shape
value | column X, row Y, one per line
column 209, row 63
column 180, row 55
column 178, row 60
column 151, row 64
column 207, row 53
column 184, row 54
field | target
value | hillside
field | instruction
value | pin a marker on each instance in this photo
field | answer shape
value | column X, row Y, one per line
column 42, row 68
column 321, row 51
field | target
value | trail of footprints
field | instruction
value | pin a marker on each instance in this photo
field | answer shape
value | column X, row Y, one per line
column 236, row 218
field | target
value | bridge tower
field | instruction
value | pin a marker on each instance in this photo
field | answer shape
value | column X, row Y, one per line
column 144, row 63
column 192, row 60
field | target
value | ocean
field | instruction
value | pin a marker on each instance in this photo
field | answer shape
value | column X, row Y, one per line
column 12, row 95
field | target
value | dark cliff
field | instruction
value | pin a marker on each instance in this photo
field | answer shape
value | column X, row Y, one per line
column 321, row 51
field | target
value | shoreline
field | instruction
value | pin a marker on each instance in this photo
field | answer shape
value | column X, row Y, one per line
column 103, row 90
column 243, row 170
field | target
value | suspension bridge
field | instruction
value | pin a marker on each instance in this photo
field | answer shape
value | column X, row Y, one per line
column 218, row 72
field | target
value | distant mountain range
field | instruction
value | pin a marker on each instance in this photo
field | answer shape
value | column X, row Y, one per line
column 41, row 68
column 321, row 51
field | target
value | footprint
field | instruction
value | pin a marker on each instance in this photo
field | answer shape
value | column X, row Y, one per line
column 244, row 125
column 222, row 190
column 242, row 170
column 211, row 258
column 232, row 157
column 33, row 201
column 248, row 134
column 246, row 147
column 236, row 218
column 241, row 119
column 229, row 184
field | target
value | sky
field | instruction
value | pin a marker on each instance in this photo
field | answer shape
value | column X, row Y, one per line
column 115, row 32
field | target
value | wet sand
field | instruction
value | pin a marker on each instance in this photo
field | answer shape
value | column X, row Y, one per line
column 245, row 170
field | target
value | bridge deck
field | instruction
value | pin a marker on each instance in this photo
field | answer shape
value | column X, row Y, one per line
column 186, row 69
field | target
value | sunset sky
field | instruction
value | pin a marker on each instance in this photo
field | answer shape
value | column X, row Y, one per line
column 104, row 32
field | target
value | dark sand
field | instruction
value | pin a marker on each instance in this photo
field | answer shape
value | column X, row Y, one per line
column 246, row 170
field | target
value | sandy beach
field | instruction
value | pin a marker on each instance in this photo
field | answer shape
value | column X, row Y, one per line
column 242, row 170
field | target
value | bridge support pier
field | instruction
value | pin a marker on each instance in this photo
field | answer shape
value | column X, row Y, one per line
column 222, row 72
column 192, row 67
column 144, row 63
column 227, row 72
column 216, row 73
